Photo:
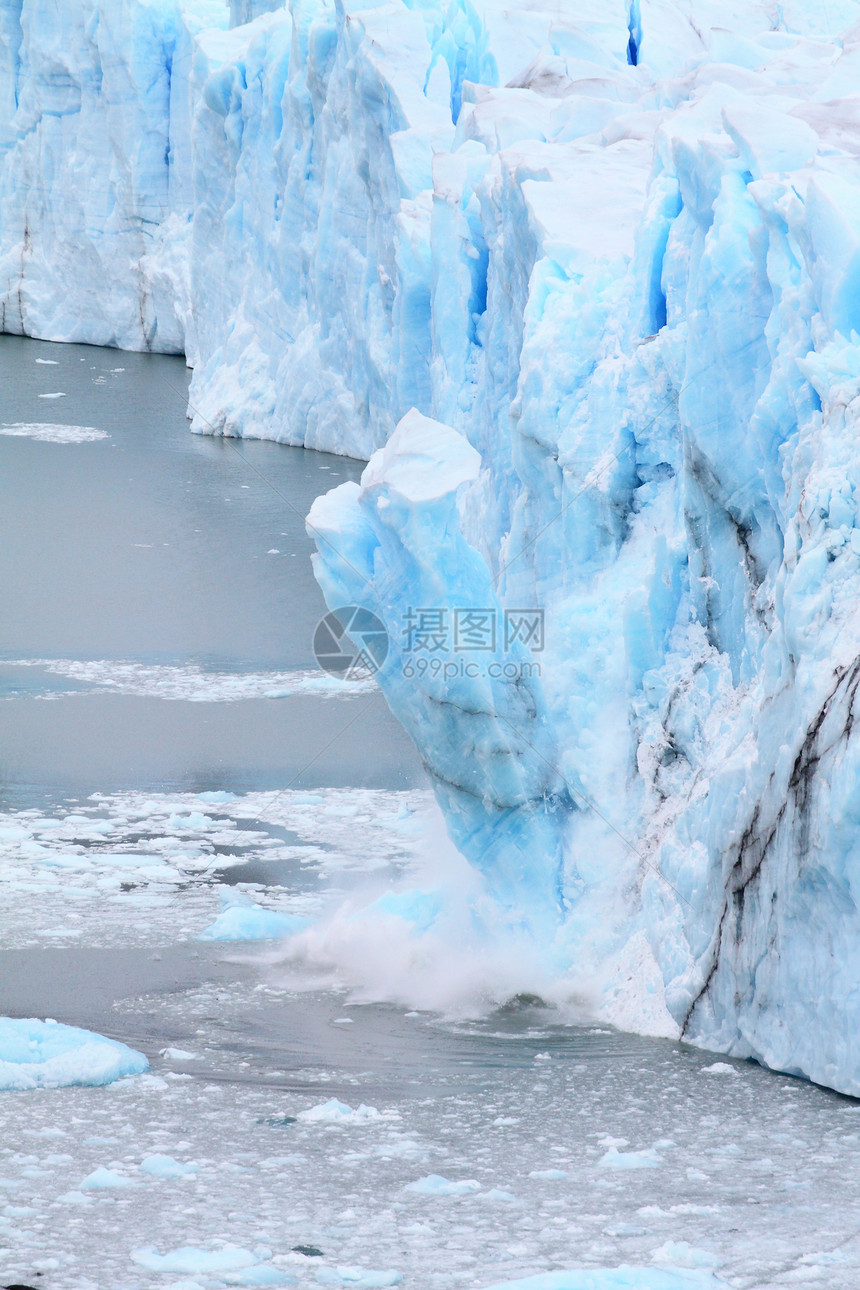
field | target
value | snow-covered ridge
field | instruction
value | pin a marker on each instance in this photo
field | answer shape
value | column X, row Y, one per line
column 618, row 249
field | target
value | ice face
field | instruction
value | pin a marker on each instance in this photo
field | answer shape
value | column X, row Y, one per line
column 612, row 263
column 394, row 546
column 659, row 381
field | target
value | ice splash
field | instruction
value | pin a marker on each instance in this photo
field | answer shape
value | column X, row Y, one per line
column 437, row 938
column 362, row 889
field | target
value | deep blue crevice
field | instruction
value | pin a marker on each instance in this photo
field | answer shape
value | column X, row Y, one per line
column 634, row 28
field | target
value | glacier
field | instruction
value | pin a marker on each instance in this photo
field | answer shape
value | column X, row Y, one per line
column 584, row 285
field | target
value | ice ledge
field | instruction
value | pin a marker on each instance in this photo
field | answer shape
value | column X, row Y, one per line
column 424, row 460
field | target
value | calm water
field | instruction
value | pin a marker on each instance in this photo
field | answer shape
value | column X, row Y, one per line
column 145, row 579
column 154, row 547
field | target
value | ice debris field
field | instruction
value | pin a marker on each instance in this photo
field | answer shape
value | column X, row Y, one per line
column 285, row 1128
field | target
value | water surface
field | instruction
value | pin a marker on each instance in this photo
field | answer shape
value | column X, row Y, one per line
column 164, row 550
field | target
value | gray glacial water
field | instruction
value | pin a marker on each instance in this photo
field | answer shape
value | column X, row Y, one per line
column 154, row 549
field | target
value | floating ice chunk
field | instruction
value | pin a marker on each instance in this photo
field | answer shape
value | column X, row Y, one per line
column 104, row 1179
column 615, row 1159
column 188, row 1258
column 166, row 1167
column 436, row 1185
column 357, row 1278
column 683, row 1255
column 178, row 1054
column 719, row 1068
column 44, row 1054
column 217, row 798
column 58, row 394
column 45, row 432
column 240, row 920
column 48, row 362
column 193, row 820
column 13, row 833
column 335, row 1112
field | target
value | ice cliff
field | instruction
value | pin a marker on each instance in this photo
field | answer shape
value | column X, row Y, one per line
column 612, row 251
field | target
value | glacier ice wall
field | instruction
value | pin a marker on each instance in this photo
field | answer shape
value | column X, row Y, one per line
column 393, row 544
column 615, row 251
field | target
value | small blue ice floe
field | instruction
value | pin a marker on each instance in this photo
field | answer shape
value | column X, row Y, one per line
column 45, row 1054
column 242, row 920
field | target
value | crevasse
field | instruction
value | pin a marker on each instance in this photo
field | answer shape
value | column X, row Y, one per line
column 628, row 287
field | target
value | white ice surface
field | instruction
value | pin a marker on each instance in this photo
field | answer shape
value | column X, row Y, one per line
column 335, row 1112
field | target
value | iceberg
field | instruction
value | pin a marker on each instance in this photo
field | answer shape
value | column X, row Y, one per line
column 584, row 286
column 45, row 1054
column 241, row 919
